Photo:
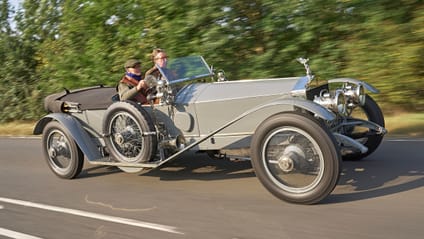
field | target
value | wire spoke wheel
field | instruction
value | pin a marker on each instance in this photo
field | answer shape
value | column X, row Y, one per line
column 126, row 123
column 293, row 160
column 295, row 157
column 126, row 136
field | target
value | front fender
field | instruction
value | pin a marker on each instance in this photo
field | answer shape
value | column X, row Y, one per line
column 356, row 82
column 74, row 127
column 255, row 116
column 317, row 109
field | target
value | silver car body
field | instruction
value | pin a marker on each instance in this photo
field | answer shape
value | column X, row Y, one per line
column 227, row 113
column 294, row 134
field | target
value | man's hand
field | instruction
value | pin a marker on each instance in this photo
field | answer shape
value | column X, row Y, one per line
column 141, row 85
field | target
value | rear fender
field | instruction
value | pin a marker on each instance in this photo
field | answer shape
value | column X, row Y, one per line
column 74, row 127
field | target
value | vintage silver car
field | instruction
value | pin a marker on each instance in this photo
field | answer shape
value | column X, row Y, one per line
column 294, row 134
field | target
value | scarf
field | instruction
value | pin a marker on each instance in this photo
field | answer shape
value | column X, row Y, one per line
column 134, row 76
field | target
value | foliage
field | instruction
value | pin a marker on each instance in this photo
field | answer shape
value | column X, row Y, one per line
column 18, row 79
column 60, row 44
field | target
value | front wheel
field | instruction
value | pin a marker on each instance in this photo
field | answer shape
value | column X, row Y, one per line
column 295, row 158
column 369, row 111
column 63, row 155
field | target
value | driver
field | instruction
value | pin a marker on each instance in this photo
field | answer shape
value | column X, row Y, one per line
column 132, row 86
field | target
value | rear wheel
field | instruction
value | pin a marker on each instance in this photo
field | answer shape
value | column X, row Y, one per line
column 62, row 154
column 295, row 158
column 130, row 135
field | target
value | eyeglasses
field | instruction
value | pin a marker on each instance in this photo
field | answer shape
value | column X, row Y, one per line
column 161, row 58
column 136, row 66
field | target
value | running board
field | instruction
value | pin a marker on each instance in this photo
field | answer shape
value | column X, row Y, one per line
column 154, row 164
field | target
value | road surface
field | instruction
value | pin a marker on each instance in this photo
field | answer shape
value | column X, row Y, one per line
column 381, row 196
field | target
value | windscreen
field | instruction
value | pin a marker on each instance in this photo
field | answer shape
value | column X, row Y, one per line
column 185, row 68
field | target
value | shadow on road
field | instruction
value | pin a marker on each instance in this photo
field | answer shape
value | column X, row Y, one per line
column 202, row 167
column 393, row 169
column 96, row 171
column 187, row 167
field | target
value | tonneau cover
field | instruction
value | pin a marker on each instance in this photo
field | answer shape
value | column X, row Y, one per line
column 99, row 97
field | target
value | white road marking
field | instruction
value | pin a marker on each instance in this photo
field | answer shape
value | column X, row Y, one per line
column 97, row 216
column 406, row 140
column 117, row 209
column 16, row 235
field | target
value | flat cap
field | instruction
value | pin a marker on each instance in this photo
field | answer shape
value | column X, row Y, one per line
column 131, row 63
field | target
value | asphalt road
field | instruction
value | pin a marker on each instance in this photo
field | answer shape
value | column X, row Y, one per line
column 381, row 196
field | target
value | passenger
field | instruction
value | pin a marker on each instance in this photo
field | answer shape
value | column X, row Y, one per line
column 159, row 58
column 132, row 86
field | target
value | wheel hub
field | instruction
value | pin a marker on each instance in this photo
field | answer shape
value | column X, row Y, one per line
column 286, row 164
column 124, row 136
column 119, row 139
column 292, row 156
column 52, row 153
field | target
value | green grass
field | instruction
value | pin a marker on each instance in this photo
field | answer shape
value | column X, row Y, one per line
column 411, row 124
column 18, row 128
column 406, row 124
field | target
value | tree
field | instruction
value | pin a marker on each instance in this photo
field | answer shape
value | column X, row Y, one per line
column 72, row 44
column 385, row 48
column 17, row 93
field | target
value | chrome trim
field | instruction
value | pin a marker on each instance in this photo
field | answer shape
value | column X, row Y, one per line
column 356, row 82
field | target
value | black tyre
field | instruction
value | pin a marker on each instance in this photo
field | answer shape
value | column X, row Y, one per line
column 129, row 133
column 295, row 158
column 62, row 154
column 370, row 139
